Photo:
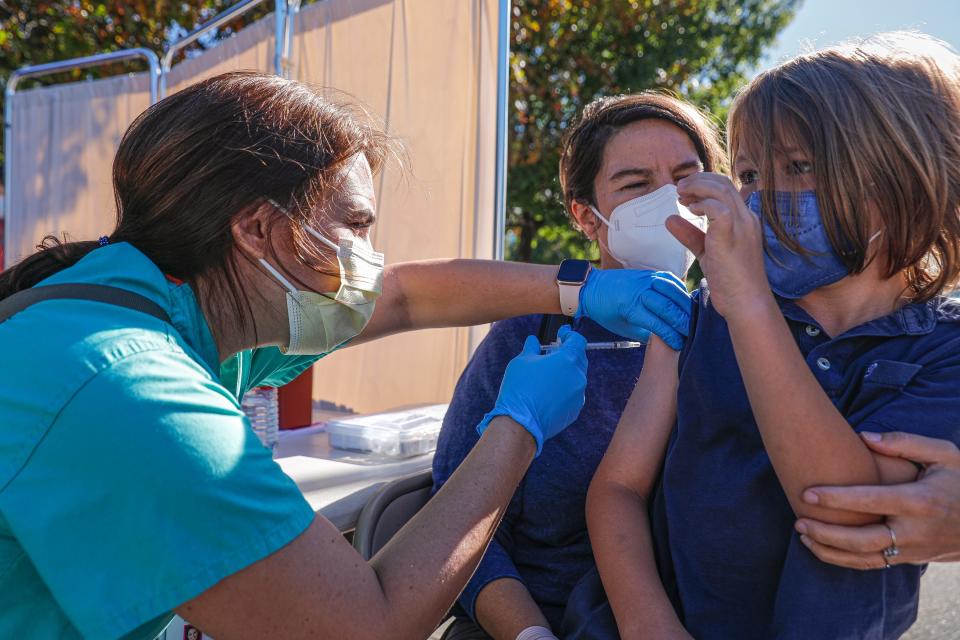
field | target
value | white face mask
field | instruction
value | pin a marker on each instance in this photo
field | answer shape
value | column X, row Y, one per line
column 638, row 239
column 321, row 322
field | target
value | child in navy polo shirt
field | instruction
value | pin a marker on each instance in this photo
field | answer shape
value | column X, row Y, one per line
column 849, row 161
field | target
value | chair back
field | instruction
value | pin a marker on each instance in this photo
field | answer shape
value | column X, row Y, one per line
column 389, row 509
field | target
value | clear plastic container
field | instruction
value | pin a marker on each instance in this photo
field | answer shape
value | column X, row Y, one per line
column 263, row 410
column 398, row 434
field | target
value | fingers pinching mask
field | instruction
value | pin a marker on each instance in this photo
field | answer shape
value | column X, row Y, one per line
column 638, row 238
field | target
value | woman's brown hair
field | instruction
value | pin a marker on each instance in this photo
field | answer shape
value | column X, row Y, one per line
column 196, row 161
column 584, row 146
column 880, row 122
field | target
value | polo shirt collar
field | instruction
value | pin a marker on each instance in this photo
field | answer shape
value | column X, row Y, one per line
column 912, row 319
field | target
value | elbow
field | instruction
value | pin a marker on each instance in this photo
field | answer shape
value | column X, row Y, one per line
column 829, row 515
column 804, row 509
column 886, row 471
column 377, row 622
column 835, row 516
column 607, row 496
column 597, row 495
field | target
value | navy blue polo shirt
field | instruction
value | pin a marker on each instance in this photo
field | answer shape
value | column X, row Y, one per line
column 723, row 529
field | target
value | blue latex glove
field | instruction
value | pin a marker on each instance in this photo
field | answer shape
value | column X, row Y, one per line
column 633, row 303
column 543, row 393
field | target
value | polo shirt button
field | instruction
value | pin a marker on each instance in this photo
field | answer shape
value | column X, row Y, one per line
column 812, row 331
column 823, row 363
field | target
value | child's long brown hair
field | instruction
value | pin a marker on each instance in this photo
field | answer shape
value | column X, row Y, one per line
column 880, row 121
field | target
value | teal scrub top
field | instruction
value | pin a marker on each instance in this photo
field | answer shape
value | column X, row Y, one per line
column 130, row 480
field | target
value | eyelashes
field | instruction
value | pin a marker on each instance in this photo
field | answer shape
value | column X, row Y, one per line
column 794, row 168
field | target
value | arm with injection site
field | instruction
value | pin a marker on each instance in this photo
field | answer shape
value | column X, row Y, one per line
column 618, row 498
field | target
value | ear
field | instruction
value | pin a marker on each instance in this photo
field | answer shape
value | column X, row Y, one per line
column 251, row 230
column 587, row 221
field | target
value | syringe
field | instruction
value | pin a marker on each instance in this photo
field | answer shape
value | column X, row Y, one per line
column 595, row 346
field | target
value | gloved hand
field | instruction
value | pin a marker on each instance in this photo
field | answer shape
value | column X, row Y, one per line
column 633, row 303
column 543, row 393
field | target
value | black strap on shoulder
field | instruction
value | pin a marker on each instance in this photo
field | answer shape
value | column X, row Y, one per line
column 19, row 301
column 549, row 326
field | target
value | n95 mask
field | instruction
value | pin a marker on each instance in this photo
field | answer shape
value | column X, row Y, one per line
column 321, row 322
column 637, row 236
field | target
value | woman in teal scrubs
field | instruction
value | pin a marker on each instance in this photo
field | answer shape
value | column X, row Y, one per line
column 131, row 485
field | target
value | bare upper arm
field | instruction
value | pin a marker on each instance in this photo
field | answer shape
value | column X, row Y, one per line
column 637, row 449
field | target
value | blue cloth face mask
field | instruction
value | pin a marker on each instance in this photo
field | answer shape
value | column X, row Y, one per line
column 793, row 275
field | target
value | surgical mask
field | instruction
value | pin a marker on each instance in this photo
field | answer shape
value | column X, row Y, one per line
column 638, row 239
column 321, row 322
column 790, row 274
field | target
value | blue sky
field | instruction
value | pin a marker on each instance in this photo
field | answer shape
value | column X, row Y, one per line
column 824, row 22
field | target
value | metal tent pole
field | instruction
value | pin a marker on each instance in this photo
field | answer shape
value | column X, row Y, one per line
column 286, row 29
column 503, row 96
column 237, row 10
column 35, row 71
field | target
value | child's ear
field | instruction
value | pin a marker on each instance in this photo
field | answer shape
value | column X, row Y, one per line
column 586, row 220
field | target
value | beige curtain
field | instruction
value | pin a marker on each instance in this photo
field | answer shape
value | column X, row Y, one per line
column 63, row 141
column 427, row 68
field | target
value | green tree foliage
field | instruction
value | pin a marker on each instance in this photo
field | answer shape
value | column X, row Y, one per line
column 567, row 52
column 38, row 31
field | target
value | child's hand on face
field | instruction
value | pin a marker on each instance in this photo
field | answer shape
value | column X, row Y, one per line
column 731, row 250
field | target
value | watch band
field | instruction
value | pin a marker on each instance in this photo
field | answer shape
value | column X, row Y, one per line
column 571, row 276
column 569, row 298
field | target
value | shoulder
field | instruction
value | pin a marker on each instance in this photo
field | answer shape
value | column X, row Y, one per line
column 149, row 434
column 160, row 391
column 113, row 373
column 946, row 310
column 708, row 337
column 935, row 325
column 159, row 408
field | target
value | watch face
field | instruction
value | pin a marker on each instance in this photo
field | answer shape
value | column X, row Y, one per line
column 573, row 271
